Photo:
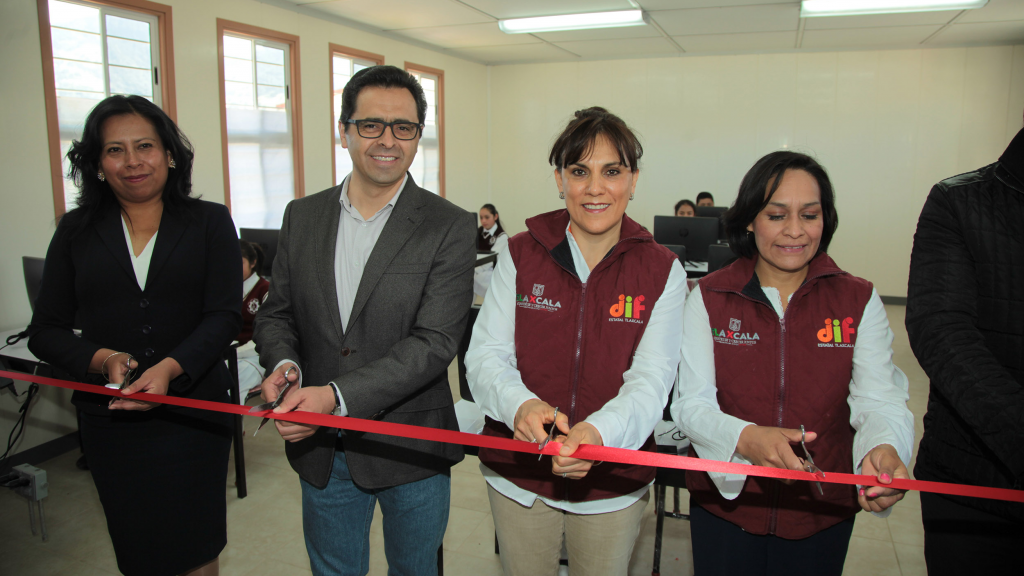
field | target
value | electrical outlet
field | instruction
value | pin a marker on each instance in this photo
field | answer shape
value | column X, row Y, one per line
column 37, row 488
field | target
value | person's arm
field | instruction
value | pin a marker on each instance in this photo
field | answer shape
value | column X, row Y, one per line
column 434, row 336
column 627, row 420
column 942, row 323
column 500, row 244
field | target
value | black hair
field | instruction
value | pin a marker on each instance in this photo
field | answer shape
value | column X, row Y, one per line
column 252, row 252
column 94, row 195
column 380, row 77
column 682, row 203
column 490, row 208
column 757, row 189
column 704, row 195
column 579, row 136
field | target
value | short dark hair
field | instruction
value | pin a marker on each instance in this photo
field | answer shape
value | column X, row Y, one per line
column 252, row 252
column 682, row 203
column 704, row 195
column 84, row 156
column 381, row 77
column 579, row 136
column 490, row 208
column 765, row 176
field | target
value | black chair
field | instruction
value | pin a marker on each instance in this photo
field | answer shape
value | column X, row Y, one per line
column 231, row 355
column 719, row 256
column 33, row 268
column 678, row 250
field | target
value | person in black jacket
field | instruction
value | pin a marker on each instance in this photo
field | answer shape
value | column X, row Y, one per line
column 965, row 319
column 153, row 275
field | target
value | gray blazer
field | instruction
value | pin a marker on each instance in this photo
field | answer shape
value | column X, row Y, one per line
column 391, row 361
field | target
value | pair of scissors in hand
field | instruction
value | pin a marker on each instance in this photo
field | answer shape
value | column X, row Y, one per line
column 811, row 466
column 275, row 403
column 551, row 435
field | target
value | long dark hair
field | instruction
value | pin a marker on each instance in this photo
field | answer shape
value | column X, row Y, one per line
column 94, row 195
column 252, row 252
column 765, row 176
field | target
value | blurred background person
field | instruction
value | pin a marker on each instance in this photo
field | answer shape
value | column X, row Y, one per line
column 254, row 292
column 490, row 237
column 686, row 208
column 705, row 199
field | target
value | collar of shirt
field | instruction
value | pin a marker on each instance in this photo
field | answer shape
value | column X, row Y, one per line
column 582, row 269
column 346, row 204
column 490, row 231
column 249, row 283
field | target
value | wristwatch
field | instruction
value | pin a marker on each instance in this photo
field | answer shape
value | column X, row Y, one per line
column 337, row 399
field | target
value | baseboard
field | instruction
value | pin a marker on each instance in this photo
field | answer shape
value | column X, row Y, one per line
column 44, row 451
column 894, row 300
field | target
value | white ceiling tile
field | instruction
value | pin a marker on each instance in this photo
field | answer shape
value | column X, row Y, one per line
column 600, row 34
column 868, row 38
column 466, row 35
column 730, row 20
column 980, row 33
column 678, row 4
column 995, row 11
column 539, row 52
column 621, row 48
column 751, row 42
column 398, row 14
column 527, row 8
column 880, row 20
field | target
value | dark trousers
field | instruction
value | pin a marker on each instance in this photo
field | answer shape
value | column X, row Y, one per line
column 961, row 540
column 723, row 548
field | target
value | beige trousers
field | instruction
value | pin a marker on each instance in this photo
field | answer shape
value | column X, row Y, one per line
column 530, row 539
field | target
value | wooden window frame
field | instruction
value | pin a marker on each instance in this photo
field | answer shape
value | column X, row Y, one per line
column 410, row 67
column 294, row 86
column 162, row 12
column 352, row 53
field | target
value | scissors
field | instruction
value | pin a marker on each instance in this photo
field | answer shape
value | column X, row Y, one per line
column 275, row 403
column 551, row 435
column 129, row 372
column 812, row 467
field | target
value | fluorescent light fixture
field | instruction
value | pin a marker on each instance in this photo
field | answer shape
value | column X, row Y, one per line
column 586, row 21
column 815, row 8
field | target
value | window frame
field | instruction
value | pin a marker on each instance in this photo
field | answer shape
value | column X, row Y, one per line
column 339, row 50
column 294, row 86
column 165, row 44
column 411, row 67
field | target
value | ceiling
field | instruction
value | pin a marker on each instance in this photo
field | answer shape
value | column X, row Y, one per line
column 469, row 28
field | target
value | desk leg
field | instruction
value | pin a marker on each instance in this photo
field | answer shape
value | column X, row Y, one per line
column 659, row 511
column 239, row 448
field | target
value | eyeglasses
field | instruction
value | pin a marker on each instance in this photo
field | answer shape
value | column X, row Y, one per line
column 375, row 129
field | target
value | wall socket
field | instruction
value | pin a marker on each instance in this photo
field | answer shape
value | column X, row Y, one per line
column 37, row 487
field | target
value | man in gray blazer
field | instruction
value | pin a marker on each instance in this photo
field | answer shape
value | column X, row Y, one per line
column 372, row 285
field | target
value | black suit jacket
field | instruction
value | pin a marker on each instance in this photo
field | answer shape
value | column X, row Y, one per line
column 391, row 361
column 190, row 309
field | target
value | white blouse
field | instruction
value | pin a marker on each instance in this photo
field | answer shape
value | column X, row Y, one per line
column 141, row 262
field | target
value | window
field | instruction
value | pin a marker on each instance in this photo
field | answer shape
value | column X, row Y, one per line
column 344, row 63
column 261, row 123
column 428, row 167
column 92, row 51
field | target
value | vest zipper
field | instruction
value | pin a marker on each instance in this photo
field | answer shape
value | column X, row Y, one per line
column 577, row 354
column 773, row 517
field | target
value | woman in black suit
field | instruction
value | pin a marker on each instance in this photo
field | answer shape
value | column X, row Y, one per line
column 152, row 274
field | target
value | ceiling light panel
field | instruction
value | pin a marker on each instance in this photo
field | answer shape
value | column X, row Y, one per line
column 585, row 21
column 816, row 8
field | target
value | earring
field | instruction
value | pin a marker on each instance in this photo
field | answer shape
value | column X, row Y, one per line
column 561, row 195
column 631, row 196
column 101, row 176
column 171, row 164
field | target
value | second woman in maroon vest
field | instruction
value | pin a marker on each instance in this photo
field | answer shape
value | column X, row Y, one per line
column 783, row 338
column 583, row 315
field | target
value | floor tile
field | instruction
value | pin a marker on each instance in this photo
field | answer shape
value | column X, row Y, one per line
column 868, row 525
column 867, row 557
column 905, row 526
column 911, row 559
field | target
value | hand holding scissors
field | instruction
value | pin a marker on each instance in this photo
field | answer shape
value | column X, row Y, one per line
column 277, row 401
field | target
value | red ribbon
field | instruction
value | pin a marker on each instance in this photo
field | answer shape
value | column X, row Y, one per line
column 586, row 451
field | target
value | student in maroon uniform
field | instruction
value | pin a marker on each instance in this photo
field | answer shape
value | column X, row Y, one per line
column 778, row 339
column 254, row 291
column 583, row 314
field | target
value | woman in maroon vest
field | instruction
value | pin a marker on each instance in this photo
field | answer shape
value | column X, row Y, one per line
column 583, row 315
column 783, row 338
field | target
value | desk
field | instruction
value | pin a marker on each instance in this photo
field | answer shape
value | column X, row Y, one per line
column 18, row 351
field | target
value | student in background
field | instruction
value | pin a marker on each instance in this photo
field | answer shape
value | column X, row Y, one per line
column 686, row 208
column 490, row 237
column 740, row 401
column 255, row 289
column 705, row 199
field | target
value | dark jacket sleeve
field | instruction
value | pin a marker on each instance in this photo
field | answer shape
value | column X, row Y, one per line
column 274, row 327
column 942, row 323
column 435, row 335
column 222, row 311
column 51, row 337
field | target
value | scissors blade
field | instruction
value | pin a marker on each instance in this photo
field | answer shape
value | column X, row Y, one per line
column 269, row 406
column 812, row 467
column 551, row 435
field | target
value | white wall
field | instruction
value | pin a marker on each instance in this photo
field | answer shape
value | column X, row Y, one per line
column 26, row 205
column 887, row 125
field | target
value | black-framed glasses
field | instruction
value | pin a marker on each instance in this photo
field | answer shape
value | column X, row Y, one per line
column 401, row 130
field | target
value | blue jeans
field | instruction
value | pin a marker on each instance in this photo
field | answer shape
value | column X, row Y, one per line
column 336, row 524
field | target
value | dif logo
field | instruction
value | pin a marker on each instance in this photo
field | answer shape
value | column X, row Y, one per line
column 627, row 307
column 834, row 332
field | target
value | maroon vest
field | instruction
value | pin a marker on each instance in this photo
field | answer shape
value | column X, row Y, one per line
column 250, row 306
column 574, row 342
column 786, row 372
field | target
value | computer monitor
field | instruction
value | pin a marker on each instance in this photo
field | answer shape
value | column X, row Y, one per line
column 694, row 233
column 267, row 240
column 720, row 255
column 33, row 268
column 679, row 250
column 714, row 212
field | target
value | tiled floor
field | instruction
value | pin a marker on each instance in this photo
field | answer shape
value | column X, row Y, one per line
column 265, row 529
